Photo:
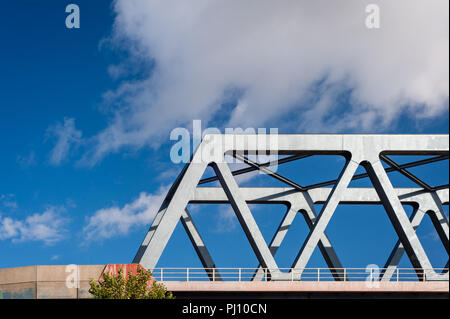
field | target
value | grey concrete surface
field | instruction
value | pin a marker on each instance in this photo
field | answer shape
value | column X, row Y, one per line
column 47, row 282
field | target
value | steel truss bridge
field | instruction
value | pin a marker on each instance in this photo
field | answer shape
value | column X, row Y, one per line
column 369, row 151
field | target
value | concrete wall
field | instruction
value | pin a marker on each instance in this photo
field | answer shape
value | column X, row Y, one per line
column 47, row 282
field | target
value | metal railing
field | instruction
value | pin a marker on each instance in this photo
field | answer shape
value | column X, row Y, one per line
column 297, row 274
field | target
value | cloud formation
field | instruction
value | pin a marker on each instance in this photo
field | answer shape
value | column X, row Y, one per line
column 118, row 221
column 305, row 66
column 26, row 161
column 226, row 220
column 8, row 201
column 48, row 227
column 67, row 137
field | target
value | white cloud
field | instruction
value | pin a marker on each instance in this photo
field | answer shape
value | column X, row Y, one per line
column 67, row 136
column 226, row 220
column 48, row 227
column 168, row 174
column 118, row 221
column 26, row 160
column 291, row 59
column 8, row 201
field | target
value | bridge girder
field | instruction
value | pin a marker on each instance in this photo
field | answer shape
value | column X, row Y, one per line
column 365, row 150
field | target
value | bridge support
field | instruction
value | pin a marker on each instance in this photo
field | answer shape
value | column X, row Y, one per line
column 368, row 151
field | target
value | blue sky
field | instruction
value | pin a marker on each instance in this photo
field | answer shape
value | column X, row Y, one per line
column 85, row 117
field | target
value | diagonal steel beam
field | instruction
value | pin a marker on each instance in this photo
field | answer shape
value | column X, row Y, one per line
column 421, row 201
column 360, row 148
column 325, row 246
column 394, row 167
column 398, row 217
column 199, row 246
column 244, row 216
column 441, row 226
column 253, row 168
column 169, row 215
column 268, row 172
column 405, row 173
column 325, row 215
column 388, row 170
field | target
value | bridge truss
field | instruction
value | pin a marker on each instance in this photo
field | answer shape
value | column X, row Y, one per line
column 369, row 151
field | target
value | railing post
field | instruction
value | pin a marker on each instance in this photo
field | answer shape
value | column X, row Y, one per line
column 318, row 274
column 187, row 274
column 214, row 274
column 292, row 274
column 162, row 278
column 398, row 274
column 239, row 274
column 265, row 273
column 345, row 274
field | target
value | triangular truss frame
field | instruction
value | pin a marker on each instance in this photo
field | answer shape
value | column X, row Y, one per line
column 366, row 150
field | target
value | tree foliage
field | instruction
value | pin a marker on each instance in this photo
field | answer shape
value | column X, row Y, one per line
column 133, row 287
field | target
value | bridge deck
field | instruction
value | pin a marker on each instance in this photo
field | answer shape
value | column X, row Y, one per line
column 71, row 281
column 308, row 286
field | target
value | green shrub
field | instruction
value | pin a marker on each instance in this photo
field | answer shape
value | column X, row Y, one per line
column 133, row 287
